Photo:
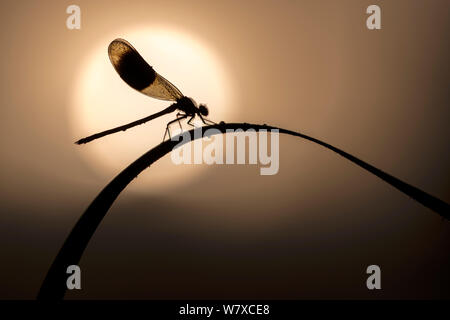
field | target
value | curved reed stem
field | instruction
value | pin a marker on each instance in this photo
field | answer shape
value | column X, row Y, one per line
column 54, row 285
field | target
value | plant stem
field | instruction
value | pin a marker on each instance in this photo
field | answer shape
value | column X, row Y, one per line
column 54, row 285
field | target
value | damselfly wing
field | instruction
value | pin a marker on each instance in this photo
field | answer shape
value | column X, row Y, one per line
column 138, row 74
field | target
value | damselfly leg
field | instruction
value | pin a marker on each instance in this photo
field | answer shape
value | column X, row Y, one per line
column 180, row 116
column 204, row 120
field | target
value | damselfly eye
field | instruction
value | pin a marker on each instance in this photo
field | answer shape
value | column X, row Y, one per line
column 203, row 110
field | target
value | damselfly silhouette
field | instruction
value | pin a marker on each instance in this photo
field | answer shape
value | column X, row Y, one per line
column 139, row 75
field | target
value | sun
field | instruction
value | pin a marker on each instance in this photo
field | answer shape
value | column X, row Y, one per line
column 102, row 100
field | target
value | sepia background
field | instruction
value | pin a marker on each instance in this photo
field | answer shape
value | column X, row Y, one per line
column 226, row 232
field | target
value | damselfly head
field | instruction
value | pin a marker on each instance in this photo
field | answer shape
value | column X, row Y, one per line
column 203, row 110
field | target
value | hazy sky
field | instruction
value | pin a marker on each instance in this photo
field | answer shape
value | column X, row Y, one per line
column 308, row 232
